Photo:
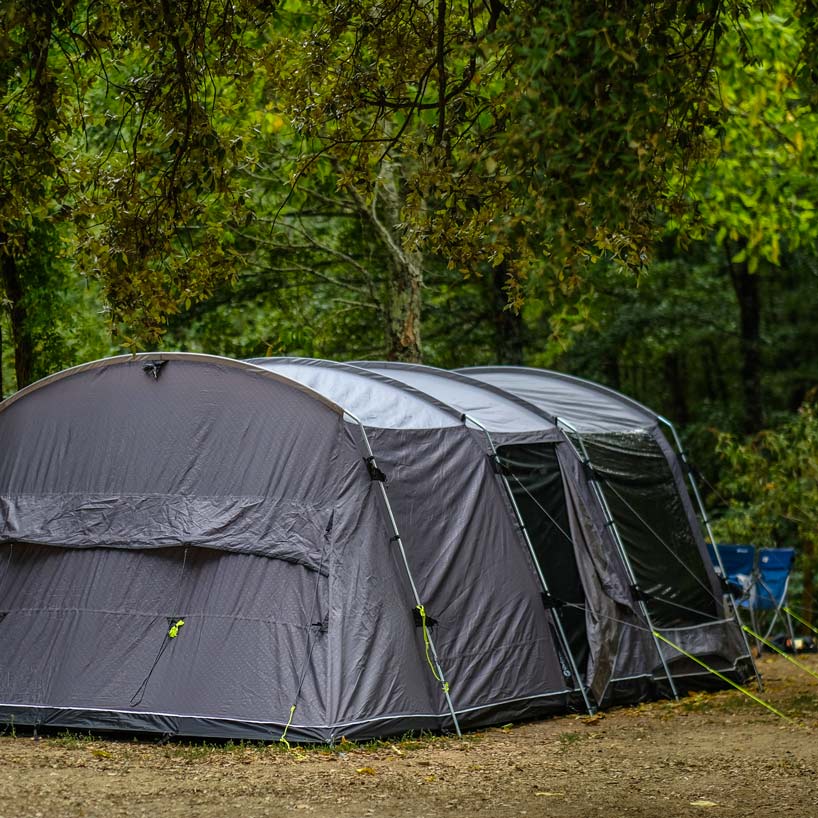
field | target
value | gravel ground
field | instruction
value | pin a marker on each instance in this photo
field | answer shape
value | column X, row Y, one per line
column 711, row 755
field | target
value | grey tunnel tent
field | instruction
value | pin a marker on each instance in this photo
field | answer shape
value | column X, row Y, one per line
column 139, row 493
column 293, row 516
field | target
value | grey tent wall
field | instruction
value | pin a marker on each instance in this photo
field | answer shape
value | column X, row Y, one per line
column 379, row 479
column 136, row 471
column 429, row 381
column 423, row 466
column 518, row 419
column 491, row 636
column 578, row 676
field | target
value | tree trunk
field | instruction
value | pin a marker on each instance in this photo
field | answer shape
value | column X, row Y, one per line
column 808, row 566
column 12, row 285
column 715, row 385
column 508, row 325
column 675, row 379
column 748, row 294
column 403, row 308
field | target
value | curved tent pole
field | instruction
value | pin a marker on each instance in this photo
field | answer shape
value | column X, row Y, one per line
column 399, row 540
column 706, row 521
column 611, row 523
column 556, row 617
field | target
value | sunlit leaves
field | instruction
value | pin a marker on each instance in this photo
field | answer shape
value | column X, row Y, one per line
column 758, row 190
column 773, row 482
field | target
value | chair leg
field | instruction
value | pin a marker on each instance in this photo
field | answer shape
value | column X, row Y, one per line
column 755, row 629
column 792, row 633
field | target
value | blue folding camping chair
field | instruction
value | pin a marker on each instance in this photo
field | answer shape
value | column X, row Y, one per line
column 739, row 563
column 771, row 585
column 759, row 580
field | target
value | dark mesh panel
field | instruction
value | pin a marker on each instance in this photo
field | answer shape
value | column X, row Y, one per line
column 536, row 481
column 655, row 530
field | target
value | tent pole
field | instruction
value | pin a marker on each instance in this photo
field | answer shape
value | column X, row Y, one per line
column 706, row 520
column 399, row 540
column 611, row 523
column 557, row 618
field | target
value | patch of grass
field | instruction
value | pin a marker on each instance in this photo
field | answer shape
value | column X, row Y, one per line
column 199, row 751
column 571, row 738
column 804, row 702
column 71, row 740
column 194, row 751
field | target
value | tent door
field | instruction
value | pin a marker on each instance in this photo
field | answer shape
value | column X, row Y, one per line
column 536, row 480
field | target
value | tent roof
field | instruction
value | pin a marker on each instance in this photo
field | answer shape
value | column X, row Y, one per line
column 376, row 400
column 148, row 357
column 496, row 409
column 588, row 406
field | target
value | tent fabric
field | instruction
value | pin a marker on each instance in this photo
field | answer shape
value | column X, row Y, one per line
column 377, row 401
column 587, row 406
column 241, row 499
column 427, row 463
column 59, row 472
column 656, row 533
column 669, row 552
column 511, row 422
column 643, row 482
column 302, row 600
column 498, row 411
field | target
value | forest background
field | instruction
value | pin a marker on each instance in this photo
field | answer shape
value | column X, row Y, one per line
column 625, row 191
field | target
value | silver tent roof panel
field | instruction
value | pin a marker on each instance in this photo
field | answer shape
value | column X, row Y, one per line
column 587, row 406
column 496, row 410
column 376, row 400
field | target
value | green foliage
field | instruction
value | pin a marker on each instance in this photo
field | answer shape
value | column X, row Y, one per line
column 539, row 136
column 113, row 120
column 773, row 483
column 292, row 179
column 758, row 190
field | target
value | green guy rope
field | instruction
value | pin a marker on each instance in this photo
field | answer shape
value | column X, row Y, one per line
column 175, row 627
column 773, row 646
column 797, row 618
column 422, row 612
column 723, row 677
column 283, row 739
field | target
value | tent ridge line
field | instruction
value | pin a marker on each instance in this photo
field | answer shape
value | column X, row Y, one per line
column 116, row 360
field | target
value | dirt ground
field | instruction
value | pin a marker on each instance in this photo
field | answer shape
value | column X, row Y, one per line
column 710, row 755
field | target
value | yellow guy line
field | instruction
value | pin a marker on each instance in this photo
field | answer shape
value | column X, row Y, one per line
column 773, row 646
column 422, row 612
column 283, row 739
column 798, row 619
column 723, row 678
